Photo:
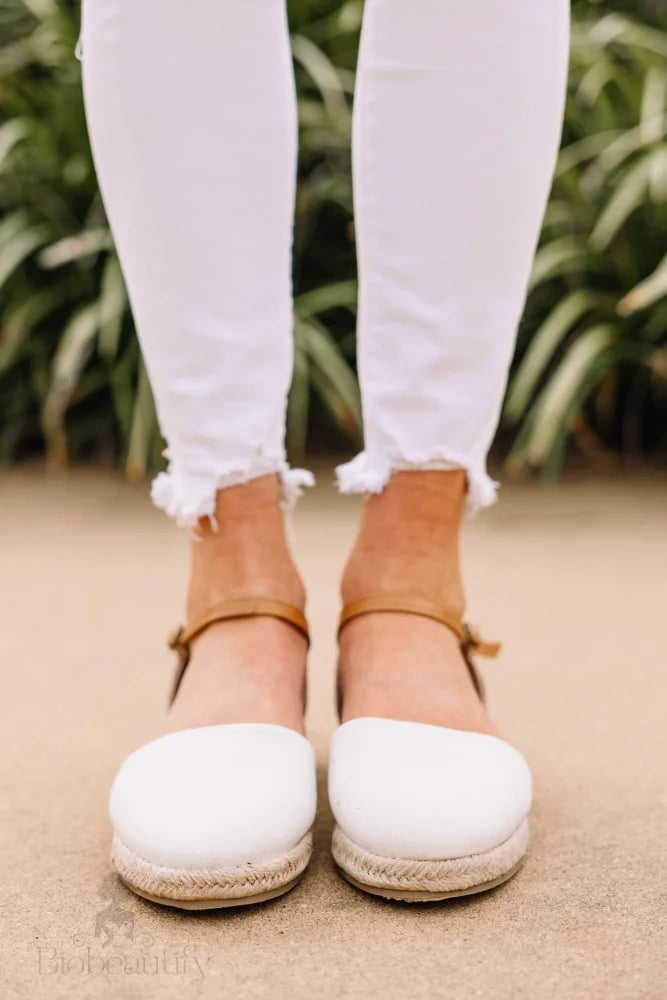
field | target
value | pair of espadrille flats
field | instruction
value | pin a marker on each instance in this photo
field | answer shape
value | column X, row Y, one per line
column 221, row 815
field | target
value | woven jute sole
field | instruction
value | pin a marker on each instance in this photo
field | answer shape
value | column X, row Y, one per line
column 429, row 881
column 211, row 888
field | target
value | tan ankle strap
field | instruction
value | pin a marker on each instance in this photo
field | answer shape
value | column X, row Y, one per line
column 468, row 635
column 237, row 607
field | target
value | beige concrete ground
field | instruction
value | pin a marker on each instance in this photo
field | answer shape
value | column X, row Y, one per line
column 574, row 580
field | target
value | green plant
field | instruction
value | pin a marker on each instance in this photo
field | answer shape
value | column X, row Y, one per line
column 324, row 44
column 592, row 358
column 591, row 361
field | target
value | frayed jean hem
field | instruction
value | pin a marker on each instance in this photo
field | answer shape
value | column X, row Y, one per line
column 187, row 497
column 370, row 474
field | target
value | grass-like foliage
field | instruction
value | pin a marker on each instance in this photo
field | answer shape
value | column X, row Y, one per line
column 591, row 365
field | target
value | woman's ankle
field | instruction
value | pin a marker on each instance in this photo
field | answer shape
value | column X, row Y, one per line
column 246, row 551
column 408, row 540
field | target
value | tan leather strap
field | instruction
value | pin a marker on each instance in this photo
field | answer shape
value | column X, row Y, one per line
column 238, row 607
column 468, row 635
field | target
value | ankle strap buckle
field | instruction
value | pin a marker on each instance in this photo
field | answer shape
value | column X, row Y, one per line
column 174, row 639
column 473, row 639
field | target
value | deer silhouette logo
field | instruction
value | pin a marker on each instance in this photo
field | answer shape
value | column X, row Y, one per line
column 115, row 916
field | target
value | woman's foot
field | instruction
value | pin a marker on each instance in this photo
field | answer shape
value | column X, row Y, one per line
column 250, row 669
column 423, row 812
column 404, row 666
column 214, row 814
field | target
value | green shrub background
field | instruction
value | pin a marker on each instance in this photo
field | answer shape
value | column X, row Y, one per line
column 590, row 371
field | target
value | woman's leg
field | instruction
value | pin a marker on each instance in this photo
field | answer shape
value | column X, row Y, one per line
column 457, row 121
column 192, row 118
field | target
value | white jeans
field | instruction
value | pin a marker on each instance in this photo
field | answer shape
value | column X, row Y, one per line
column 457, row 117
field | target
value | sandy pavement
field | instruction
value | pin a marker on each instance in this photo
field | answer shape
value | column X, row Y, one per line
column 573, row 579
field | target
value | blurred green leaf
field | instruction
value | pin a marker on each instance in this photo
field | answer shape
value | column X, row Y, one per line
column 71, row 355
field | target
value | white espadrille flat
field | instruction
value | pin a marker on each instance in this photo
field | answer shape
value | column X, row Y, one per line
column 219, row 815
column 424, row 813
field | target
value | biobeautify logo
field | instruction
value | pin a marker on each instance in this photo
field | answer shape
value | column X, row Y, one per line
column 118, row 947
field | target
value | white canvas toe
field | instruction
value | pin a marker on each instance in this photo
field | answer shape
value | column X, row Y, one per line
column 228, row 799
column 409, row 790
